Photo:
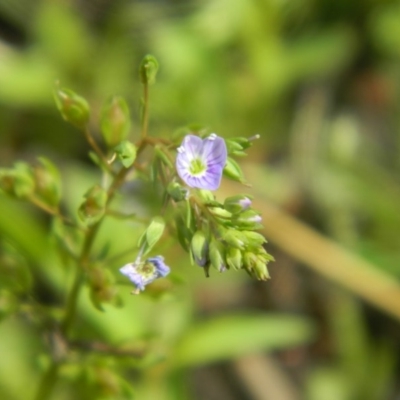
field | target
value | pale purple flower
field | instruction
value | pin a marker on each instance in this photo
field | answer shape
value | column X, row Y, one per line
column 141, row 273
column 200, row 162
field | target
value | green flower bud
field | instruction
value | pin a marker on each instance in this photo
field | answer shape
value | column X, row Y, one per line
column 248, row 220
column 152, row 234
column 242, row 142
column 217, row 255
column 256, row 265
column 18, row 181
column 177, row 191
column 47, row 182
column 234, row 238
column 94, row 206
column 237, row 204
column 220, row 212
column 233, row 171
column 73, row 108
column 148, row 70
column 126, row 153
column 254, row 239
column 115, row 121
column 102, row 288
column 199, row 248
column 234, row 258
column 206, row 195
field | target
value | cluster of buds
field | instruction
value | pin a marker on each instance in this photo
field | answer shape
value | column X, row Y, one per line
column 39, row 183
column 222, row 235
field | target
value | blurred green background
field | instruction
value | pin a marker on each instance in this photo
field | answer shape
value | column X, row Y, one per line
column 319, row 80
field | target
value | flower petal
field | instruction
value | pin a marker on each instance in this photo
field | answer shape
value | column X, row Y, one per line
column 211, row 151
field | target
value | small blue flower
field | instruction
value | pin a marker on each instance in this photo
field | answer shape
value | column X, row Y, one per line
column 141, row 273
column 200, row 162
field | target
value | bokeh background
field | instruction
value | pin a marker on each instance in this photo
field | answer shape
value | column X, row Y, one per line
column 319, row 80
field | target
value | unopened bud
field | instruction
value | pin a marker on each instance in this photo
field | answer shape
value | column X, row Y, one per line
column 248, row 220
column 216, row 254
column 115, row 121
column 234, row 238
column 148, row 69
column 18, row 181
column 73, row 108
column 234, row 258
column 199, row 248
column 47, row 182
column 177, row 191
column 126, row 153
column 233, row 171
column 237, row 204
column 94, row 206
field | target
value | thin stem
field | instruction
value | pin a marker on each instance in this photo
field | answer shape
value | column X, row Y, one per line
column 50, row 377
column 97, row 149
column 50, row 210
column 145, row 118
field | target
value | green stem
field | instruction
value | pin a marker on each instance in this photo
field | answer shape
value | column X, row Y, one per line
column 48, row 381
column 50, row 377
column 145, row 119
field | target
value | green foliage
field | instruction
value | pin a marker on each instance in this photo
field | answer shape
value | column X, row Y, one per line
column 318, row 80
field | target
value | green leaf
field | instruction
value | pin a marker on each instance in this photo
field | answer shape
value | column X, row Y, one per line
column 236, row 335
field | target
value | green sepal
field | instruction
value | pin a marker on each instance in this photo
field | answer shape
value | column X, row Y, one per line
column 126, row 153
column 233, row 171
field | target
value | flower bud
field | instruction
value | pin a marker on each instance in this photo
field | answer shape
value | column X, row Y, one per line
column 254, row 239
column 126, row 153
column 220, row 212
column 177, row 191
column 234, row 238
column 115, row 121
column 256, row 265
column 73, row 108
column 234, row 258
column 233, row 171
column 94, row 206
column 237, row 204
column 102, row 289
column 199, row 248
column 248, row 220
column 47, row 182
column 206, row 195
column 18, row 181
column 217, row 255
column 148, row 70
column 152, row 234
